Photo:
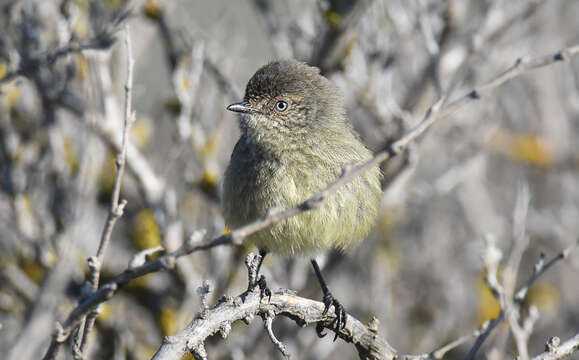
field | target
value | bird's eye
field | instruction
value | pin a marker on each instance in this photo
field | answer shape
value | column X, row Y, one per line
column 281, row 106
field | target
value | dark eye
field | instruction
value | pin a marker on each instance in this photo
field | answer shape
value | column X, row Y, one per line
column 281, row 106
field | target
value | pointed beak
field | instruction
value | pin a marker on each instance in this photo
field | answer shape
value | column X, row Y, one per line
column 241, row 107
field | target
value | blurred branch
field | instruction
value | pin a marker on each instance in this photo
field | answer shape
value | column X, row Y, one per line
column 477, row 42
column 492, row 257
column 540, row 268
column 520, row 66
column 174, row 50
column 115, row 210
column 278, row 35
column 333, row 43
column 247, row 305
column 152, row 185
column 509, row 275
column 236, row 237
column 29, row 65
column 439, row 353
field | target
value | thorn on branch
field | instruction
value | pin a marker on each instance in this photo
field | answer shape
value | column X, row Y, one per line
column 312, row 203
column 198, row 351
column 373, row 325
column 120, row 209
column 93, row 264
column 109, row 290
column 552, row 344
column 492, row 257
column 226, row 299
column 203, row 291
column 60, row 334
column 271, row 212
column 225, row 329
column 193, row 239
column 248, row 319
column 171, row 339
column 539, row 265
column 118, row 161
column 141, row 257
column 168, row 262
column 474, row 95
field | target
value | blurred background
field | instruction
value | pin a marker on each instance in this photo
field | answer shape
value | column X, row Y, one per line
column 420, row 271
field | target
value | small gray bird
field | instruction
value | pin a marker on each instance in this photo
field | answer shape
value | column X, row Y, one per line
column 295, row 139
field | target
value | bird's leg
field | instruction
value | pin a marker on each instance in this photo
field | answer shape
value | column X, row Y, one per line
column 260, row 279
column 329, row 300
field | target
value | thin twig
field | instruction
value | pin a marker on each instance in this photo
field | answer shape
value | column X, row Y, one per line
column 483, row 336
column 439, row 353
column 540, row 268
column 509, row 275
column 115, row 210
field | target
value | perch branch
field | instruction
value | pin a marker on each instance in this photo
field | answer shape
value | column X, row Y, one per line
column 247, row 305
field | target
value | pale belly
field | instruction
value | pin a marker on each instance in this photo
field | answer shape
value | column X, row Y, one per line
column 344, row 218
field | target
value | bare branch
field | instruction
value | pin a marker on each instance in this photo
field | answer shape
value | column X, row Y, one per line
column 439, row 354
column 520, row 66
column 101, row 41
column 283, row 302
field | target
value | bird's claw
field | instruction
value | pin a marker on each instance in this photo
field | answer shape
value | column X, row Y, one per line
column 320, row 330
column 339, row 322
column 263, row 289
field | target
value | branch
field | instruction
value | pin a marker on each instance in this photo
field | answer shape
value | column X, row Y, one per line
column 333, row 43
column 497, row 289
column 247, row 305
column 101, row 41
column 520, row 66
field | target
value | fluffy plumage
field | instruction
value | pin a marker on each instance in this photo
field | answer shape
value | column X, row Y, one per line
column 284, row 157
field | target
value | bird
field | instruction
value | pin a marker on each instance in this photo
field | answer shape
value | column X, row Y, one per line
column 295, row 138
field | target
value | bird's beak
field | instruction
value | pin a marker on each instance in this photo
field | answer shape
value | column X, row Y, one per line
column 241, row 107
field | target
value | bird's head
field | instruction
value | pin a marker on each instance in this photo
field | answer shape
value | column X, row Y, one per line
column 288, row 99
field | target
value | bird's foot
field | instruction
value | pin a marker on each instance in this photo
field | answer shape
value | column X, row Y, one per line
column 263, row 289
column 339, row 322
